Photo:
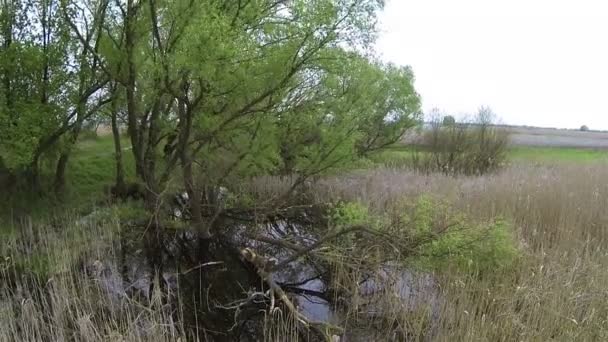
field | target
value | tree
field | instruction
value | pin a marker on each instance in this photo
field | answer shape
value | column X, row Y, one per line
column 584, row 128
column 388, row 105
column 475, row 148
column 448, row 120
column 215, row 91
column 182, row 79
column 56, row 89
column 35, row 101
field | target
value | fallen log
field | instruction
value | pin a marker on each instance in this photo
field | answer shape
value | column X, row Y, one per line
column 265, row 267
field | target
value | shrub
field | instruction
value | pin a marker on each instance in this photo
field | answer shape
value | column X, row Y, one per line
column 473, row 148
column 349, row 213
column 455, row 241
column 449, row 120
column 431, row 234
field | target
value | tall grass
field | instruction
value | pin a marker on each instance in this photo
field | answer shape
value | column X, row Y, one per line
column 556, row 290
column 51, row 288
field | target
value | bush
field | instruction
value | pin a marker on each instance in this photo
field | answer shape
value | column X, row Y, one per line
column 349, row 213
column 473, row 148
column 449, row 120
column 430, row 234
column 455, row 241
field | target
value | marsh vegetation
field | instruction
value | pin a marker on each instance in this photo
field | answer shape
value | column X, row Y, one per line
column 251, row 185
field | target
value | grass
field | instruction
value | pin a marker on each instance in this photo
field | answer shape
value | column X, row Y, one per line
column 90, row 169
column 556, row 291
column 92, row 166
column 558, row 154
column 53, row 299
column 539, row 208
column 401, row 156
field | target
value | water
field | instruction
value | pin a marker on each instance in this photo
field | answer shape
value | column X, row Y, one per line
column 207, row 294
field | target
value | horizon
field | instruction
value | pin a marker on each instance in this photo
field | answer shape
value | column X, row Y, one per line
column 540, row 64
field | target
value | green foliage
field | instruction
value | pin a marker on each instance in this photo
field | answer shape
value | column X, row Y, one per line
column 346, row 214
column 434, row 235
column 424, row 215
column 448, row 120
column 452, row 241
column 224, row 91
column 557, row 155
column 35, row 79
column 356, row 107
column 479, row 249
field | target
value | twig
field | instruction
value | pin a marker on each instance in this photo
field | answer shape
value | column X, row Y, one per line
column 211, row 263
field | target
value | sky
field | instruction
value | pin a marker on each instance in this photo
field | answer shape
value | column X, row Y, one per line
column 535, row 62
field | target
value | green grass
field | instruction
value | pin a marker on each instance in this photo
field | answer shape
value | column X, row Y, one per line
column 557, row 154
column 400, row 155
column 93, row 166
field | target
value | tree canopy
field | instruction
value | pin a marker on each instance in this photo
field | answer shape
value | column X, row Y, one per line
column 215, row 91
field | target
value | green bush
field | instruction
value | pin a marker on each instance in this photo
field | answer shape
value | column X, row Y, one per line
column 432, row 235
column 346, row 214
column 473, row 148
column 448, row 239
column 448, row 120
column 478, row 249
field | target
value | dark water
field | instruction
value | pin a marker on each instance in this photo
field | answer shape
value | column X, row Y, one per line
column 207, row 279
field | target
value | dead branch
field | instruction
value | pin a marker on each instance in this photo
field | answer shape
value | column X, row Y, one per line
column 331, row 236
column 264, row 267
column 211, row 263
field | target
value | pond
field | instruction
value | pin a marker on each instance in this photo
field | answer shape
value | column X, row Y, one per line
column 212, row 291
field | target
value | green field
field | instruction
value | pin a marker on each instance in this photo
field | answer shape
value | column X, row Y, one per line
column 557, row 154
column 400, row 155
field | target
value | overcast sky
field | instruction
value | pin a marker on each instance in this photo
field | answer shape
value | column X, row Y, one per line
column 534, row 62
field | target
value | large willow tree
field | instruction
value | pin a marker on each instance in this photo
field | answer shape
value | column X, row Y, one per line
column 212, row 91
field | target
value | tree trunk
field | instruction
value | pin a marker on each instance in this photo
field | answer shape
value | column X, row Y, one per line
column 34, row 173
column 195, row 199
column 62, row 163
column 59, row 183
column 194, row 193
column 132, row 121
column 120, row 172
column 8, row 40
